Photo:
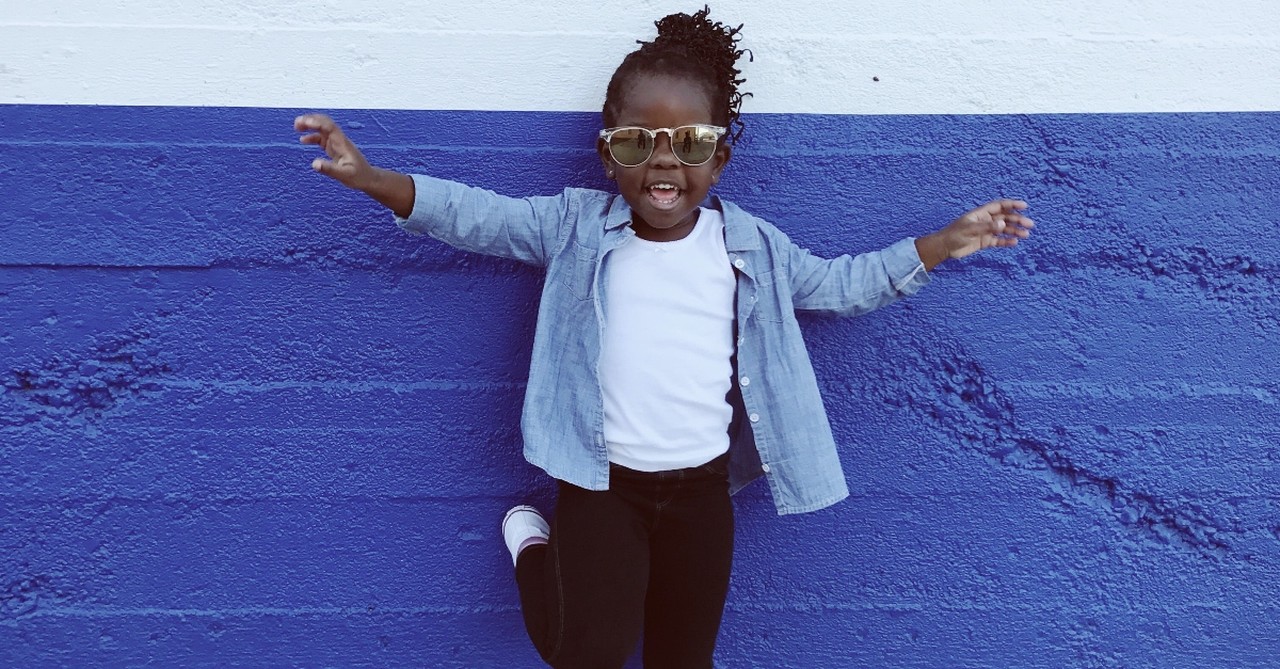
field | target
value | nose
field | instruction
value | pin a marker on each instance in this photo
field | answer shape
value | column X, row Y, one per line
column 663, row 156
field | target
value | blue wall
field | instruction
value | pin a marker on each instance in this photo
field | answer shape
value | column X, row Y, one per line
column 246, row 422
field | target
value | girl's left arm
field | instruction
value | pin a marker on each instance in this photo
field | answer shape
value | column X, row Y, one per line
column 853, row 285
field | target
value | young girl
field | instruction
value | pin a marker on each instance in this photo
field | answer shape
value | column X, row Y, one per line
column 668, row 369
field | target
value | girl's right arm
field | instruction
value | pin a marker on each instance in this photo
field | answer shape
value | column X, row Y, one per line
column 348, row 166
column 472, row 219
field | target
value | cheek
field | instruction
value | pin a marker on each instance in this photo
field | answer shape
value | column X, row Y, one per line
column 632, row 190
column 706, row 179
column 628, row 179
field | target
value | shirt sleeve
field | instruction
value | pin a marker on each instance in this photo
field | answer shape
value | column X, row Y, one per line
column 853, row 285
column 478, row 220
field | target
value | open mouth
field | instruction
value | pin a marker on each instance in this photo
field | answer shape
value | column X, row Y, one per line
column 664, row 195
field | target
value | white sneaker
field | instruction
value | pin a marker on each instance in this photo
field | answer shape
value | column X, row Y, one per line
column 521, row 524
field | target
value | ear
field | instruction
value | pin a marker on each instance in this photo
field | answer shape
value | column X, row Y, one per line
column 605, row 159
column 721, row 159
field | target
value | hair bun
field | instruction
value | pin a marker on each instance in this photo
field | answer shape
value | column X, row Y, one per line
column 680, row 25
column 709, row 40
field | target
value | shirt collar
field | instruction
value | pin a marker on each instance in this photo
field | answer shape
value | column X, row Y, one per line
column 740, row 233
column 619, row 213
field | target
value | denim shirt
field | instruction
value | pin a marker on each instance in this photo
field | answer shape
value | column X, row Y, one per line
column 780, row 430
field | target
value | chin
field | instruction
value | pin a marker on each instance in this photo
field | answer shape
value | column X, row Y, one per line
column 670, row 219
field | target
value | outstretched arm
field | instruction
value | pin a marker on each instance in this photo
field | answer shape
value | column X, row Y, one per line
column 472, row 219
column 347, row 165
column 994, row 224
column 852, row 285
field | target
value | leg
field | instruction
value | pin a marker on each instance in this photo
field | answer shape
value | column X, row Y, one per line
column 538, row 603
column 691, row 556
column 583, row 593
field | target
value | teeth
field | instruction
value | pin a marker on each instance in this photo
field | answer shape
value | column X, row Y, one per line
column 663, row 186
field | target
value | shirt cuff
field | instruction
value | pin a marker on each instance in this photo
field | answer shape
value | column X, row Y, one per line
column 906, row 270
column 432, row 197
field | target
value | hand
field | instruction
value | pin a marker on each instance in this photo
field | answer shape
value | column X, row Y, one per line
column 995, row 223
column 348, row 165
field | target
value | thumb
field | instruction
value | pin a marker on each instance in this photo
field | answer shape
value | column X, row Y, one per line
column 332, row 170
column 325, row 167
column 345, row 174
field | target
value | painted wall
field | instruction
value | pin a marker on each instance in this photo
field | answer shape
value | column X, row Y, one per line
column 246, row 422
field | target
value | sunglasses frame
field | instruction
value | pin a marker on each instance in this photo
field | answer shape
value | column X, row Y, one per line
column 608, row 133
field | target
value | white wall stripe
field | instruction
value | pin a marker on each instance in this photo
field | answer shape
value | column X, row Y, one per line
column 867, row 17
column 944, row 57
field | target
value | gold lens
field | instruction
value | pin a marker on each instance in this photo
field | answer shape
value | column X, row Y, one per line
column 693, row 145
column 630, row 146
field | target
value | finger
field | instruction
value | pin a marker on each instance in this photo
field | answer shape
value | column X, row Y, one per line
column 997, row 241
column 335, row 144
column 1001, row 207
column 318, row 122
column 1015, row 224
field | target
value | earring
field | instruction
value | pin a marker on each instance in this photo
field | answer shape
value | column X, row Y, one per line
column 609, row 174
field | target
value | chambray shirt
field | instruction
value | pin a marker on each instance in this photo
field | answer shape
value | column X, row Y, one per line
column 780, row 430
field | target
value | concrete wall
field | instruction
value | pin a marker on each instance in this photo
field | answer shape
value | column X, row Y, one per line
column 244, row 421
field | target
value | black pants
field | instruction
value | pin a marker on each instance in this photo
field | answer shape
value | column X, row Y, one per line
column 653, row 552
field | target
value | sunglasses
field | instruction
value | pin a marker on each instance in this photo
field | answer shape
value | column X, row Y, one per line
column 692, row 145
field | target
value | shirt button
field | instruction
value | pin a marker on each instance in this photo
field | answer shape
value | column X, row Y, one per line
column 746, row 381
column 755, row 418
column 739, row 263
column 764, row 468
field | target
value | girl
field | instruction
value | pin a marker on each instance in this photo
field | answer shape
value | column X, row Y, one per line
column 668, row 369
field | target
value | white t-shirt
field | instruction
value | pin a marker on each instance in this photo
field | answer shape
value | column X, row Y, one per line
column 665, row 361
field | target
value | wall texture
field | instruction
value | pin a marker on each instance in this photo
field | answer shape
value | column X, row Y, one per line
column 246, row 422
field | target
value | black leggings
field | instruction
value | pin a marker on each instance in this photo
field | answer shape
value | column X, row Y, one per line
column 653, row 552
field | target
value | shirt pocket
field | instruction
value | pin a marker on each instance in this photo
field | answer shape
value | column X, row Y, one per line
column 577, row 270
column 769, row 298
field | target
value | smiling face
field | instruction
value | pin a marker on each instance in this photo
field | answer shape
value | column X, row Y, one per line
column 664, row 193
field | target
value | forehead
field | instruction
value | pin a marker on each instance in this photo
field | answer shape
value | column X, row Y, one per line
column 664, row 101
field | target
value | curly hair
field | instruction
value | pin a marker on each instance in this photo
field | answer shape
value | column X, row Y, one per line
column 691, row 46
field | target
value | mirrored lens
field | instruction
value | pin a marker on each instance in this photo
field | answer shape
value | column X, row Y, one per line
column 693, row 145
column 630, row 146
